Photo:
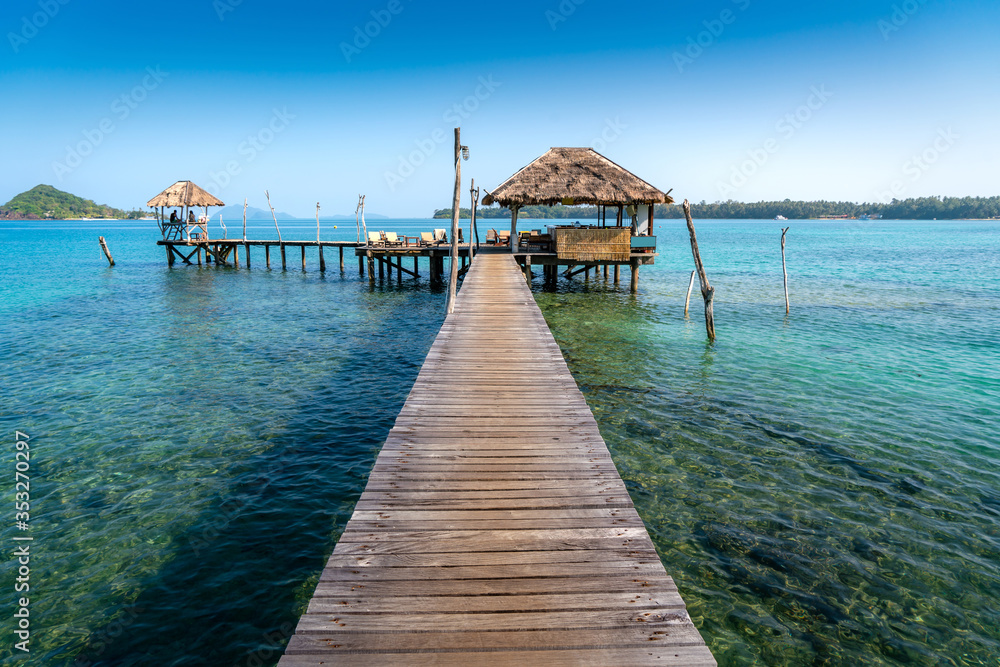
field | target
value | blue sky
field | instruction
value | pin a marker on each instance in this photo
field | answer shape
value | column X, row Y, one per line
column 729, row 99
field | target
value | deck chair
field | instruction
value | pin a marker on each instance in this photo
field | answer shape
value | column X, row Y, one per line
column 375, row 239
column 460, row 239
column 391, row 238
column 491, row 237
column 441, row 236
column 426, row 238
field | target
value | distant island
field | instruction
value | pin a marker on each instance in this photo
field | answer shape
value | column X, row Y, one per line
column 44, row 202
column 924, row 208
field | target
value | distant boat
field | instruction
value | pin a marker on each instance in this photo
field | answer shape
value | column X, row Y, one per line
column 780, row 217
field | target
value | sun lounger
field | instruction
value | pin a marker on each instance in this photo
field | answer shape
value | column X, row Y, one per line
column 375, row 239
column 491, row 237
column 426, row 238
column 391, row 238
column 440, row 236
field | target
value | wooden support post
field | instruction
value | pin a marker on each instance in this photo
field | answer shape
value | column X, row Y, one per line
column 513, row 229
column 687, row 300
column 527, row 268
column 381, row 269
column 456, row 202
column 170, row 255
column 341, row 248
column 198, row 252
column 618, row 273
column 284, row 265
column 707, row 291
column 634, row 287
column 361, row 266
column 303, row 247
column 586, row 272
column 784, row 269
column 399, row 269
column 236, row 256
column 246, row 246
column 416, row 267
column 605, row 273
column 371, row 267
column 267, row 256
column 111, row 261
column 322, row 261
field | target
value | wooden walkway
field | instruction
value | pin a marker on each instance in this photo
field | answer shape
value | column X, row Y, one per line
column 494, row 528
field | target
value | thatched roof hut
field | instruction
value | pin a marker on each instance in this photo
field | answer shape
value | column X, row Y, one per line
column 184, row 193
column 574, row 176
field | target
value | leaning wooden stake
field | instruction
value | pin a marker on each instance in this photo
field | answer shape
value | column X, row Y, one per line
column 707, row 291
column 456, row 202
column 107, row 253
column 245, row 226
column 687, row 301
column 273, row 216
column 784, row 270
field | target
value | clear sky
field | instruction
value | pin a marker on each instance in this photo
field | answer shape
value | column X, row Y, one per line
column 319, row 102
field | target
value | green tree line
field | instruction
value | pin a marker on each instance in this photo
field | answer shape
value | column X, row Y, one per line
column 923, row 208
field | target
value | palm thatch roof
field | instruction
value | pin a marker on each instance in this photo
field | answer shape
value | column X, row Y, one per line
column 574, row 176
column 184, row 193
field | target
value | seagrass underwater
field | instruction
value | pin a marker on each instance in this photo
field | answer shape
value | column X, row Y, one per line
column 824, row 487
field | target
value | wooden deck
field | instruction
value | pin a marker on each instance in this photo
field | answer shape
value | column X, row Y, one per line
column 494, row 528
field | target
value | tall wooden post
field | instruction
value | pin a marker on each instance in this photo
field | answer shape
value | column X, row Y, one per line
column 341, row 258
column 111, row 261
column 284, row 266
column 634, row 286
column 649, row 230
column 170, row 255
column 267, row 256
column 473, row 227
column 275, row 218
column 245, row 225
column 784, row 269
column 707, row 291
column 246, row 247
column 456, row 202
column 303, row 256
column 236, row 256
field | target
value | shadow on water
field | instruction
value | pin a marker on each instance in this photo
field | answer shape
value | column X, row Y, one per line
column 240, row 576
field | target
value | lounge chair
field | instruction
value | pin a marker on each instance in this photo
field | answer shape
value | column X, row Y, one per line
column 491, row 237
column 375, row 239
column 391, row 238
column 440, row 236
column 426, row 238
column 460, row 239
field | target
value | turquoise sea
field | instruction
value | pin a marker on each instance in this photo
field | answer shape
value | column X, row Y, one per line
column 823, row 486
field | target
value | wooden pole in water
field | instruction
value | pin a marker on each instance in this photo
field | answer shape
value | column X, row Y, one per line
column 107, row 253
column 707, row 291
column 784, row 270
column 322, row 263
column 303, row 246
column 341, row 248
column 246, row 246
column 456, row 202
column 275, row 218
column 267, row 255
column 245, row 226
column 687, row 300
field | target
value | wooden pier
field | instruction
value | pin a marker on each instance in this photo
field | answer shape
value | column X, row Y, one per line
column 494, row 528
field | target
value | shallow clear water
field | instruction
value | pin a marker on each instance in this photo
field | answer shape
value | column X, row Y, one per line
column 824, row 487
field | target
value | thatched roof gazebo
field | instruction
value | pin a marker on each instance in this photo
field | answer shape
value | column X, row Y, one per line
column 580, row 175
column 573, row 176
column 184, row 195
